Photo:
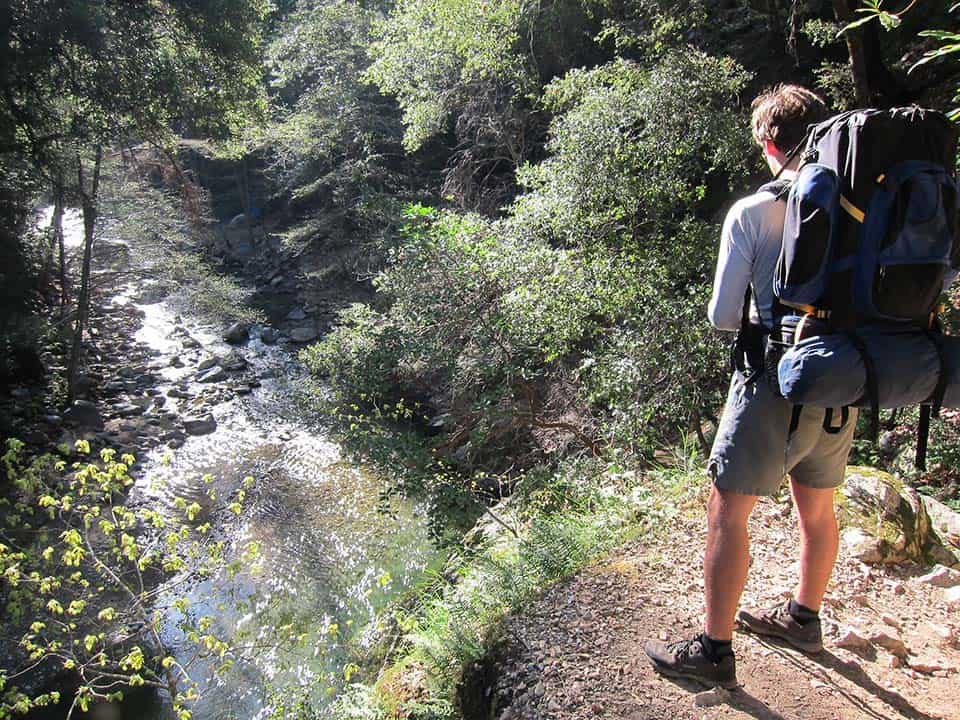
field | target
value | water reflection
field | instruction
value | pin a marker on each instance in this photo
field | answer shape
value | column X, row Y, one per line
column 335, row 548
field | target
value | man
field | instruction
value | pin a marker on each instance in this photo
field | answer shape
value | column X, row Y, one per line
column 754, row 449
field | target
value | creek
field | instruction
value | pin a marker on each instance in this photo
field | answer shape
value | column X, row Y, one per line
column 337, row 545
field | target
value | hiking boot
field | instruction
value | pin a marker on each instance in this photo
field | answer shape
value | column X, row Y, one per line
column 778, row 622
column 688, row 659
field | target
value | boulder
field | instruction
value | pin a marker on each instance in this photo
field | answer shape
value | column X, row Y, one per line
column 199, row 424
column 84, row 414
column 941, row 577
column 152, row 294
column 303, row 334
column 128, row 410
column 296, row 314
column 269, row 335
column 862, row 546
column 233, row 361
column 214, row 374
column 237, row 333
column 891, row 518
column 946, row 524
column 208, row 363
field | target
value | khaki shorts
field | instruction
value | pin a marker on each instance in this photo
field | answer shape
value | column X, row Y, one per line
column 751, row 453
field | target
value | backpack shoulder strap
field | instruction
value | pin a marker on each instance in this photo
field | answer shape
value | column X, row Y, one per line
column 778, row 188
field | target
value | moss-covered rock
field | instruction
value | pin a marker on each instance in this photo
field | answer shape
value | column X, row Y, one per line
column 946, row 524
column 893, row 518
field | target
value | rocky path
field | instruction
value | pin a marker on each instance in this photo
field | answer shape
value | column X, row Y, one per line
column 892, row 640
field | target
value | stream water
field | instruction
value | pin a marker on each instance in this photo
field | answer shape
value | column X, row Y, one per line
column 336, row 545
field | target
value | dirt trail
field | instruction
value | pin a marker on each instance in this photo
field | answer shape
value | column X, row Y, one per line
column 577, row 651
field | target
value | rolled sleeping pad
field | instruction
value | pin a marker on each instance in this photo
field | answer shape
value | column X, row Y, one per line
column 828, row 371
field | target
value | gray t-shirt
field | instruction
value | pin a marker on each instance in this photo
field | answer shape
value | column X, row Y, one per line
column 749, row 250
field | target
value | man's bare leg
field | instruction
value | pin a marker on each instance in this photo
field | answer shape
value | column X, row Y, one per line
column 727, row 558
column 819, row 540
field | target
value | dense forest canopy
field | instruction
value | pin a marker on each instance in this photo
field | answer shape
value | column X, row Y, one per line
column 525, row 197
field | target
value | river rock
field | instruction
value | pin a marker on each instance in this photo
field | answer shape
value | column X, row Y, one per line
column 941, row 577
column 175, row 362
column 296, row 314
column 152, row 294
column 178, row 393
column 214, row 374
column 84, row 414
column 208, row 363
column 269, row 335
column 303, row 334
column 951, row 596
column 82, row 385
column 128, row 410
column 233, row 361
column 237, row 333
column 200, row 424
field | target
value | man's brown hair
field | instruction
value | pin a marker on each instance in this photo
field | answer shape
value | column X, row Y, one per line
column 783, row 113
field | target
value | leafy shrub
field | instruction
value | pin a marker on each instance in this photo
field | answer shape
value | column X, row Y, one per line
column 360, row 356
column 335, row 141
column 82, row 580
column 632, row 148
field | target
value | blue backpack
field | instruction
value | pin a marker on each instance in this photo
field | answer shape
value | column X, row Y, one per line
column 869, row 239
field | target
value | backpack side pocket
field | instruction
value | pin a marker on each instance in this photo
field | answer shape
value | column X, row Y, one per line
column 800, row 278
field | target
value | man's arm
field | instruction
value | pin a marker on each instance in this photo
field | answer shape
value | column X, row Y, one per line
column 734, row 268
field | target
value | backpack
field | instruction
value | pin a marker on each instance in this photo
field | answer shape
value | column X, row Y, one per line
column 869, row 237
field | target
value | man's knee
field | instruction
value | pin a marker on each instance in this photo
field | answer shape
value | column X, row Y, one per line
column 728, row 510
column 815, row 506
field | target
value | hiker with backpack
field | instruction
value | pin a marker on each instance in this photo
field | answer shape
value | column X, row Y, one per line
column 829, row 273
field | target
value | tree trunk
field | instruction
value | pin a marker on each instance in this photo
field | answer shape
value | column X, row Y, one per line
column 873, row 82
column 89, row 204
column 56, row 241
column 243, row 185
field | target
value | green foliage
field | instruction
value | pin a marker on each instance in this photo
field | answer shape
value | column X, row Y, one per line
column 100, row 70
column 360, row 357
column 437, row 58
column 166, row 232
column 88, row 579
column 453, row 631
column 632, row 147
column 334, row 140
column 949, row 40
column 570, row 317
column 651, row 27
column 433, row 53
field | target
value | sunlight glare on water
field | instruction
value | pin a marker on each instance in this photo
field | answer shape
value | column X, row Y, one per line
column 336, row 546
